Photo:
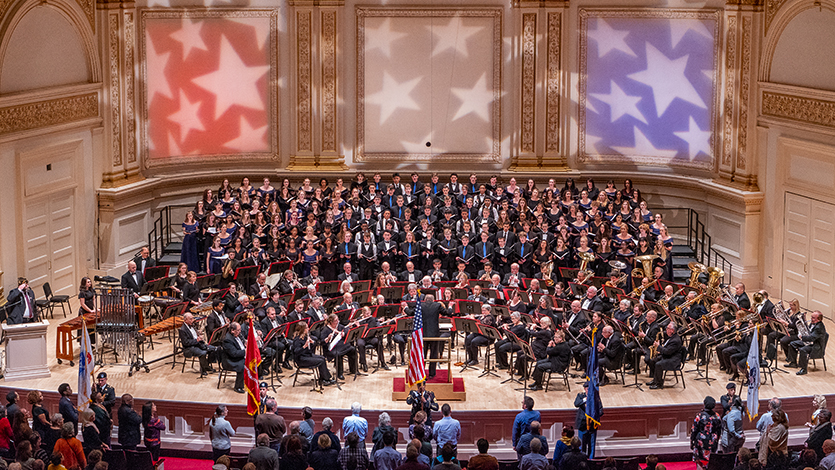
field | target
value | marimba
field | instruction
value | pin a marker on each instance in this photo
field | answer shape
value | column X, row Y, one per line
column 64, row 339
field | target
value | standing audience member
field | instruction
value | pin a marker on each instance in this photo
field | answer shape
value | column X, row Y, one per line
column 54, row 431
column 447, row 430
column 67, row 408
column 327, row 424
column 820, row 432
column 6, row 434
column 293, row 430
column 93, row 458
column 563, row 445
column 221, row 433
column 574, row 458
column 353, row 456
column 271, row 424
column 355, row 423
column 71, row 449
column 12, row 407
column 446, row 458
column 387, row 458
column 828, row 461
column 40, row 416
column 38, row 452
column 90, row 433
column 412, row 462
column 55, row 462
column 306, row 425
column 524, row 445
column 774, row 444
column 294, row 458
column 104, row 420
column 323, row 457
column 23, row 455
column 732, row 435
column 523, row 420
column 705, row 433
column 129, row 421
column 483, row 461
column 534, row 460
column 262, row 455
column 153, row 429
column 383, row 426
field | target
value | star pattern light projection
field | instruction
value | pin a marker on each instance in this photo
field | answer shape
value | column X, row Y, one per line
column 207, row 84
column 648, row 87
column 429, row 77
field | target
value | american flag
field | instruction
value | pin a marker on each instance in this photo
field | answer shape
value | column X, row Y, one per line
column 417, row 363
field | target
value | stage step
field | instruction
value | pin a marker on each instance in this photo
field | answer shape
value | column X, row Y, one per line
column 173, row 247
column 169, row 259
column 443, row 390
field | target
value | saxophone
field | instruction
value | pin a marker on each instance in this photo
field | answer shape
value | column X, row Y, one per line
column 653, row 349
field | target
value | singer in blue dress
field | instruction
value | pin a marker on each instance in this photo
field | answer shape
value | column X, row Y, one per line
column 213, row 255
column 189, row 253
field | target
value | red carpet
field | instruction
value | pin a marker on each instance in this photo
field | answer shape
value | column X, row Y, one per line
column 677, row 465
column 173, row 463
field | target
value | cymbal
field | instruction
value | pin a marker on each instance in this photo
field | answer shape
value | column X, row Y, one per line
column 209, row 290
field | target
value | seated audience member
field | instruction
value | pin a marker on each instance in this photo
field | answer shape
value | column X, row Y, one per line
column 483, row 461
column 447, row 460
column 828, row 461
column 534, row 460
column 353, row 455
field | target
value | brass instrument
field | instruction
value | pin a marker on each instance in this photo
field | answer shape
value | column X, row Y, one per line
column 758, row 299
column 653, row 349
column 696, row 269
column 585, row 259
column 227, row 268
column 546, row 276
column 665, row 301
column 802, row 327
column 636, row 292
column 646, row 262
column 716, row 276
column 619, row 267
column 688, row 303
column 781, row 314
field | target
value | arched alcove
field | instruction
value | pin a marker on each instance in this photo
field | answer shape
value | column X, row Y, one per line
column 804, row 49
column 43, row 50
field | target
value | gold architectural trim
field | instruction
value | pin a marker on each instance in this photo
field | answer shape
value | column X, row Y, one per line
column 115, row 95
column 730, row 70
column 669, row 14
column 528, row 102
column 798, row 108
column 177, row 161
column 552, row 94
column 89, row 8
column 744, row 87
column 360, row 155
column 328, row 50
column 130, row 100
column 771, row 9
column 46, row 113
column 304, row 105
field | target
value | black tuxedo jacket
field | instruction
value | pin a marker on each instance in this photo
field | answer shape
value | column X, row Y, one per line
column 149, row 263
column 404, row 276
column 234, row 354
column 560, row 356
column 213, row 322
column 15, row 316
column 354, row 277
column 128, row 281
column 431, row 312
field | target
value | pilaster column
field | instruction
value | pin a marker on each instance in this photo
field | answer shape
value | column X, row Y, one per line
column 737, row 157
column 315, row 85
column 117, row 44
column 540, row 63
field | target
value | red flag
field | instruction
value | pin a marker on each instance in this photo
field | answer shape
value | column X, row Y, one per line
column 251, row 363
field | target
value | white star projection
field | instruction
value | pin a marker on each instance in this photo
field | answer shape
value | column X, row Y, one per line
column 250, row 139
column 609, row 39
column 453, row 35
column 187, row 116
column 234, row 83
column 697, row 139
column 475, row 100
column 667, row 79
column 644, row 147
column 156, row 63
column 677, row 32
column 382, row 38
column 189, row 36
column 393, row 96
column 620, row 104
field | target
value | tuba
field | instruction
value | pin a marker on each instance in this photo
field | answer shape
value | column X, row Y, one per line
column 716, row 276
column 585, row 259
column 646, row 269
column 696, row 269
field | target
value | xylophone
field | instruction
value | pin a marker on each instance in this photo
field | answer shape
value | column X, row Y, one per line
column 169, row 324
column 64, row 339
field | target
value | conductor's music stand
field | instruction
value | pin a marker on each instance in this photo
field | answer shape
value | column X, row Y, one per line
column 391, row 294
column 469, row 307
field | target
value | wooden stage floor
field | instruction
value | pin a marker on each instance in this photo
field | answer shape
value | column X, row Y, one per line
column 375, row 390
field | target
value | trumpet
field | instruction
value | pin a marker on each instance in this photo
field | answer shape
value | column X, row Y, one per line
column 619, row 267
column 549, row 269
column 688, row 303
column 636, row 292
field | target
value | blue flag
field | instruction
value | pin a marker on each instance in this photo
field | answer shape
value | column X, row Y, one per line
column 594, row 407
column 753, row 398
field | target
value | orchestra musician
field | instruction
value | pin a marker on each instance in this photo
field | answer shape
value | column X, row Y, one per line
column 697, row 339
column 216, row 318
column 506, row 346
column 557, row 360
column 794, row 314
column 411, row 293
column 369, row 321
column 514, row 277
column 592, row 302
column 667, row 358
column 765, row 309
column 259, row 289
column 333, row 331
column 288, row 282
column 132, row 279
column 298, row 312
column 348, row 304
column 347, row 267
column 582, row 350
column 539, row 337
column 808, row 344
column 279, row 343
column 194, row 344
column 437, row 273
column 575, row 320
column 610, row 352
column 180, row 279
column 191, row 293
column 313, row 278
column 316, row 312
column 624, row 311
column 477, row 295
column 243, row 304
column 234, row 353
column 23, row 301
column 645, row 330
column 276, row 302
column 144, row 260
column 230, row 301
column 303, row 346
column 475, row 340
column 741, row 297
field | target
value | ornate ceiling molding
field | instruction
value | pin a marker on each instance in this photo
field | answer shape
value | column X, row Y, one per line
column 46, row 113
column 798, row 108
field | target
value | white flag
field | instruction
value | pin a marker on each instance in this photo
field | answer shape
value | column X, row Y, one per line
column 86, row 364
column 753, row 398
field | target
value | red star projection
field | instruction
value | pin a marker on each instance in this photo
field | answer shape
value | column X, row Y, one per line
column 207, row 86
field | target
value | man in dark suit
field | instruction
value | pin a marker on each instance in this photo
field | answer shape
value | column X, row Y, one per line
column 741, row 297
column 809, row 344
column 230, row 301
column 259, row 289
column 431, row 312
column 411, row 274
column 270, row 322
column 194, row 344
column 558, row 360
column 133, row 279
column 66, row 406
column 591, row 301
column 610, row 351
column 234, row 353
column 22, row 301
column 144, row 260
column 667, row 358
column 347, row 274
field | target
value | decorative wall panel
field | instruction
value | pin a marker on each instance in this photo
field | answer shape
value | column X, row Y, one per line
column 648, row 86
column 429, row 84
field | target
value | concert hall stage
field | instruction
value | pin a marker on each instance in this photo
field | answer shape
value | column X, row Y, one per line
column 634, row 422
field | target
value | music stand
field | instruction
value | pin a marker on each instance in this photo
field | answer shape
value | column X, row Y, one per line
column 404, row 325
column 511, row 336
column 328, row 288
column 246, row 276
column 578, row 290
column 391, row 294
column 298, row 294
column 535, row 296
column 362, row 297
column 493, row 334
column 569, row 273
column 466, row 326
column 459, row 294
column 155, row 272
column 354, row 335
column 501, row 311
column 388, row 311
column 778, row 326
column 636, row 366
column 274, row 334
column 361, row 285
column 279, row 267
column 380, row 333
column 613, row 292
column 290, row 326
column 469, row 307
column 331, row 303
column 344, row 316
column 524, row 297
column 219, row 334
column 479, row 282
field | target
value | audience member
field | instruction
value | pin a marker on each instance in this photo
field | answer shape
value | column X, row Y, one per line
column 67, row 408
column 574, row 458
column 411, row 462
column 222, row 463
column 353, row 456
column 743, row 457
column 327, row 424
column 523, row 447
column 383, row 426
column 387, row 458
column 294, row 458
column 447, row 430
column 652, row 462
column 534, row 460
column 70, row 448
column 129, row 421
column 564, row 444
column 610, row 464
column 293, row 430
column 271, row 424
column 828, row 461
column 446, row 459
column 220, row 432
column 355, row 423
column 323, row 456
column 93, row 458
column 55, row 462
column 523, row 420
column 306, row 425
column 263, row 456
column 820, row 432
column 483, row 461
